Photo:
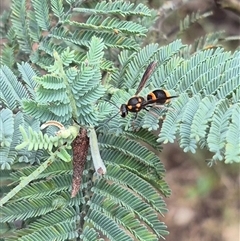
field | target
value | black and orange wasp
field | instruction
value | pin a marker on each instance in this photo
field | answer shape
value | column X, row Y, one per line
column 137, row 103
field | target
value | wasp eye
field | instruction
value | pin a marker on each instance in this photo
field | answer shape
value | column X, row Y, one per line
column 123, row 110
column 123, row 114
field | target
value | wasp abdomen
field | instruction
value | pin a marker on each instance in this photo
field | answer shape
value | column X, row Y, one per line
column 159, row 96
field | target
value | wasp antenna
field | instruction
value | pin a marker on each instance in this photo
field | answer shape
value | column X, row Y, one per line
column 106, row 121
column 109, row 101
column 111, row 118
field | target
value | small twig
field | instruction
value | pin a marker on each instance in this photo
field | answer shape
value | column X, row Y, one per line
column 232, row 5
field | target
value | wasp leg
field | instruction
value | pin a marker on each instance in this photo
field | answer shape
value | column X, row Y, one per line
column 146, row 108
column 163, row 107
column 160, row 107
column 133, row 122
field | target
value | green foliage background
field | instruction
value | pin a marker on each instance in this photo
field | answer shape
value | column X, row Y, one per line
column 64, row 61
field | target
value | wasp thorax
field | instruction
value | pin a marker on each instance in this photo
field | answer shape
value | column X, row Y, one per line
column 135, row 104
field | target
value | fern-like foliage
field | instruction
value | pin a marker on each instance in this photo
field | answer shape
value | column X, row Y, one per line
column 33, row 27
column 52, row 85
column 11, row 137
column 133, row 177
column 191, row 19
column 204, row 81
column 57, row 98
column 62, row 85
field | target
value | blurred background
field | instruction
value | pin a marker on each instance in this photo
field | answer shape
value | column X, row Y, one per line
column 205, row 201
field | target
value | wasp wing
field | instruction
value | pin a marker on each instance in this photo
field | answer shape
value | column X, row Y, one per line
column 146, row 75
